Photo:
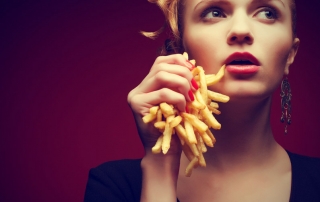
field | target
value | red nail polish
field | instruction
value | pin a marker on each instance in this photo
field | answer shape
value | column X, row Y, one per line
column 191, row 95
column 187, row 110
column 191, row 65
column 194, row 84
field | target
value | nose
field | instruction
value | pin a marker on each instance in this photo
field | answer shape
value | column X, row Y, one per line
column 240, row 32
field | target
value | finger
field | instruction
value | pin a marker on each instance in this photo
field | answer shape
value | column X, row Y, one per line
column 145, row 85
column 167, row 80
column 173, row 64
column 141, row 103
column 178, row 59
column 171, row 68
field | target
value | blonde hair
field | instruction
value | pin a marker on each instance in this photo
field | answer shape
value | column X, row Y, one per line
column 171, row 10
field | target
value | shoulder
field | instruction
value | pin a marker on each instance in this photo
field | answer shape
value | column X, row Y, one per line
column 115, row 181
column 310, row 165
column 127, row 166
column 305, row 177
column 128, row 169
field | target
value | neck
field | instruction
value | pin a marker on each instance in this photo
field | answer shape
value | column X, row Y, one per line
column 245, row 136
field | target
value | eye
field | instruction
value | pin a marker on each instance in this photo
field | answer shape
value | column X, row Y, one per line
column 212, row 12
column 267, row 14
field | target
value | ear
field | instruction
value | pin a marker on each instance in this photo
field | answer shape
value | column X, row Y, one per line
column 292, row 54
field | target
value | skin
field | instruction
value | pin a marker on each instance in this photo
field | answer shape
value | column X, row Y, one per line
column 246, row 157
column 245, row 28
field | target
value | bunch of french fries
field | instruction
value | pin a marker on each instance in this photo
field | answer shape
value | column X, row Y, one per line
column 193, row 127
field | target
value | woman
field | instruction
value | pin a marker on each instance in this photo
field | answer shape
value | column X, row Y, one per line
column 256, row 40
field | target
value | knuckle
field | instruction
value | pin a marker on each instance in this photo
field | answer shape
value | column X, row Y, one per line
column 163, row 93
column 158, row 59
column 185, row 83
column 133, row 101
column 160, row 76
column 131, row 94
column 137, row 100
column 180, row 98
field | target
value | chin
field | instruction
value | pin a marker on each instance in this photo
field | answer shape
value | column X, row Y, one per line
column 243, row 90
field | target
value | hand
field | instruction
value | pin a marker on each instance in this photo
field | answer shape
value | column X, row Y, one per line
column 169, row 80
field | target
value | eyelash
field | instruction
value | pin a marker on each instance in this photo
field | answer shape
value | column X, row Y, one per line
column 273, row 11
column 210, row 10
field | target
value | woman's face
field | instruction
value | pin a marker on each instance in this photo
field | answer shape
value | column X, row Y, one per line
column 252, row 37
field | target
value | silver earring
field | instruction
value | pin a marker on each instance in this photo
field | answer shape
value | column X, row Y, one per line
column 285, row 103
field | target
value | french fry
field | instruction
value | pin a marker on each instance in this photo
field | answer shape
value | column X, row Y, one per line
column 154, row 110
column 207, row 140
column 195, row 71
column 200, row 98
column 159, row 115
column 169, row 119
column 197, row 78
column 187, row 151
column 210, row 78
column 181, row 131
column 192, row 62
column 214, row 110
column 193, row 148
column 218, row 96
column 156, row 149
column 166, row 138
column 190, row 166
column 202, row 145
column 210, row 119
column 201, row 161
column 148, row 118
column 218, row 76
column 160, row 125
column 214, row 105
column 203, row 85
column 195, row 122
column 196, row 105
column 166, row 109
column 185, row 55
column 191, row 137
column 175, row 121
column 193, row 128
column 152, row 114
column 209, row 133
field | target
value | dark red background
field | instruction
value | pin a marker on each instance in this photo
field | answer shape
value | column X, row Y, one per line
column 65, row 70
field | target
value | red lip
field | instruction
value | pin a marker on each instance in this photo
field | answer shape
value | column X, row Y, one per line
column 242, row 56
column 242, row 68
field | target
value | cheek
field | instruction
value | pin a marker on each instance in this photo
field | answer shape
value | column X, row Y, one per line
column 205, row 47
column 276, row 42
column 280, row 49
column 276, row 49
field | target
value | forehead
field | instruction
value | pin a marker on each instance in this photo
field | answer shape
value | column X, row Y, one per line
column 285, row 3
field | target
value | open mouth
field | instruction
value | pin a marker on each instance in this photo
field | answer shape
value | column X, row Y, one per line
column 244, row 58
column 240, row 62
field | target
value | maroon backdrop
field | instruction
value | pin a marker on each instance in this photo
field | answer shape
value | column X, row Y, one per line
column 65, row 70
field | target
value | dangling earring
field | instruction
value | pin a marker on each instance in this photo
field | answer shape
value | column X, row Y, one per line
column 285, row 103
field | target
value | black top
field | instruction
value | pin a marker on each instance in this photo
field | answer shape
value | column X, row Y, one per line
column 121, row 180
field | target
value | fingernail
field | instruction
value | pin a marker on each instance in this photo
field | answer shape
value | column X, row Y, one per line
column 194, row 84
column 189, row 64
column 191, row 95
column 187, row 110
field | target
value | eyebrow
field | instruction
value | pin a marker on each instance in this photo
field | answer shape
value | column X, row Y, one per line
column 218, row 1
column 226, row 2
column 258, row 1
